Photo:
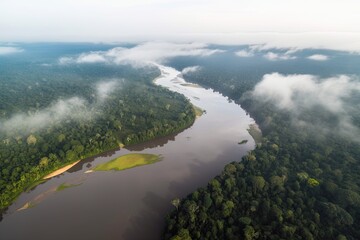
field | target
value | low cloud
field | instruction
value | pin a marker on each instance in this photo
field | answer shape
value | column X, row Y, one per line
column 341, row 41
column 190, row 69
column 244, row 53
column 10, row 50
column 103, row 89
column 318, row 57
column 66, row 60
column 271, row 54
column 90, row 58
column 143, row 54
column 74, row 108
column 280, row 56
column 303, row 93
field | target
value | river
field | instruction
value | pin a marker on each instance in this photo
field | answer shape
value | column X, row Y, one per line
column 132, row 204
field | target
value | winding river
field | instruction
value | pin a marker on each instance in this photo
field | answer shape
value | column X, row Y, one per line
column 132, row 204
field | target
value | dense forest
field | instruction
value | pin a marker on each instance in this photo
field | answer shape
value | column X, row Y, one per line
column 53, row 114
column 299, row 182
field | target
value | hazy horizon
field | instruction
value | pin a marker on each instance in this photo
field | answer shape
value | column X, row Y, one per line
column 279, row 23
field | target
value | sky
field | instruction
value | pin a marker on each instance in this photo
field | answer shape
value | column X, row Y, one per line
column 226, row 21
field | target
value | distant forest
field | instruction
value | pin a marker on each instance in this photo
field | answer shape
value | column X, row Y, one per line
column 53, row 115
column 299, row 182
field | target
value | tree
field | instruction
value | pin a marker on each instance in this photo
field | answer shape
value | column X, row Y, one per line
column 70, row 155
column 336, row 215
column 348, row 198
column 312, row 182
column 183, row 234
column 44, row 162
column 227, row 208
column 258, row 183
column 230, row 169
column 61, row 138
column 249, row 232
column 79, row 149
column 245, row 220
column 31, row 140
column 207, row 200
column 215, row 185
column 176, row 203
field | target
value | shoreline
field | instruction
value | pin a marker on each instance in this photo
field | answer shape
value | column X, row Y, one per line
column 256, row 133
column 67, row 167
column 61, row 170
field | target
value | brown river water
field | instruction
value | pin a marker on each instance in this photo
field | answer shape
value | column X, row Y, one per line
column 132, row 204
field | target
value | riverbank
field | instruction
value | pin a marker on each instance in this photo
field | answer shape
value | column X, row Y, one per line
column 9, row 195
column 61, row 170
column 191, row 158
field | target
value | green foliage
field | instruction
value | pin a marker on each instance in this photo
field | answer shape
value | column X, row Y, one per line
column 245, row 220
column 135, row 112
column 128, row 161
column 182, row 235
column 297, row 184
column 249, row 232
column 31, row 140
column 258, row 183
column 64, row 186
column 312, row 182
column 176, row 202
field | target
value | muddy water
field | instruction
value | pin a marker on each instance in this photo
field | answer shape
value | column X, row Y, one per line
column 132, row 204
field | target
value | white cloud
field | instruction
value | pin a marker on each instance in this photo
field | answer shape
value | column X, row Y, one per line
column 10, row 50
column 92, row 57
column 74, row 108
column 66, row 60
column 103, row 89
column 143, row 54
column 280, row 56
column 190, row 69
column 244, row 53
column 318, row 57
column 341, row 41
column 299, row 93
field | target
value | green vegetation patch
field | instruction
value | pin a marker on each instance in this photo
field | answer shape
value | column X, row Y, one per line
column 64, row 186
column 128, row 161
column 255, row 132
column 198, row 111
column 243, row 141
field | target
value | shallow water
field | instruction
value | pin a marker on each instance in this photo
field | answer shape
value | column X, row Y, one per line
column 132, row 204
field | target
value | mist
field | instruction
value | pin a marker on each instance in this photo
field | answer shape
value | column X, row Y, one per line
column 62, row 110
column 244, row 53
column 279, row 56
column 190, row 69
column 300, row 94
column 10, row 50
column 104, row 89
column 318, row 57
column 143, row 54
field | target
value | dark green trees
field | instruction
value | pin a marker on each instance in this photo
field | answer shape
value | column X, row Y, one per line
column 298, row 184
column 135, row 112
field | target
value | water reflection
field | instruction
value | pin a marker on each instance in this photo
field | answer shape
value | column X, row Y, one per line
column 132, row 204
column 158, row 142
